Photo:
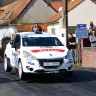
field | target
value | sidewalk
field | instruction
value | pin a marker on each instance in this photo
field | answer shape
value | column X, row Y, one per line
column 85, row 69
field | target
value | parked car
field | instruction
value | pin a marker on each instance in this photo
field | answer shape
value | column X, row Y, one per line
column 37, row 52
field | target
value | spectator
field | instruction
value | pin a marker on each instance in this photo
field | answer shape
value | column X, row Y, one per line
column 72, row 45
column 35, row 27
column 90, row 31
column 91, row 25
column 39, row 28
column 90, row 34
column 72, row 41
column 92, row 38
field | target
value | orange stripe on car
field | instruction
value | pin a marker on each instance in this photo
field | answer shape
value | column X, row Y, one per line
column 42, row 50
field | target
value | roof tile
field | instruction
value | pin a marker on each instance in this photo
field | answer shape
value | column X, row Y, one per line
column 11, row 11
column 56, row 5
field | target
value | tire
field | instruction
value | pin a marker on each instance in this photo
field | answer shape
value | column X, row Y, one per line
column 7, row 67
column 21, row 74
column 68, row 74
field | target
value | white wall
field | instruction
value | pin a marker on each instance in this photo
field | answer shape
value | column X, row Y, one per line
column 59, row 31
column 82, row 14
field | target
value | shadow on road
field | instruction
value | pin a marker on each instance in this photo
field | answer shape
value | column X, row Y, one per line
column 84, row 75
column 78, row 76
column 6, row 80
column 7, row 77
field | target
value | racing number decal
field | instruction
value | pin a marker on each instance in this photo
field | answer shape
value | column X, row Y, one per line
column 15, row 58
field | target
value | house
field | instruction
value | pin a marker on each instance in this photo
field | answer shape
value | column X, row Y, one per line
column 23, row 14
column 79, row 12
column 27, row 12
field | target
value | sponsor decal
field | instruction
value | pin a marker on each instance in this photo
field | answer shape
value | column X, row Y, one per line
column 43, row 50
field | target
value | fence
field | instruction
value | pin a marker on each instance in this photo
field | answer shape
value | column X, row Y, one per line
column 28, row 27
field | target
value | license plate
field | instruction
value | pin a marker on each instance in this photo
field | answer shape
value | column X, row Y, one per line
column 51, row 63
column 52, row 72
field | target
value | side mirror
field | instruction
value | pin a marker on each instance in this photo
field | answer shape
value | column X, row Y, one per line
column 17, row 46
column 11, row 42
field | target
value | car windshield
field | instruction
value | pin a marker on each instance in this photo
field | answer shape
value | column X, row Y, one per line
column 41, row 41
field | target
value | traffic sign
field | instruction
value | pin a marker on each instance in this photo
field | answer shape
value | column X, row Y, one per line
column 81, row 26
column 81, row 33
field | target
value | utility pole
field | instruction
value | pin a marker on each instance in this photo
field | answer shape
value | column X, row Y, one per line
column 65, row 18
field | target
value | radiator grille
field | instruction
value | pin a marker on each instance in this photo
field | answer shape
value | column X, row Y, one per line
column 42, row 61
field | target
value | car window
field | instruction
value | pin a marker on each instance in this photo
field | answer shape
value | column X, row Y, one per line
column 41, row 41
column 16, row 42
column 17, row 39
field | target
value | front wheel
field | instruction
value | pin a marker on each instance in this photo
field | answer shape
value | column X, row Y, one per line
column 7, row 67
column 20, row 71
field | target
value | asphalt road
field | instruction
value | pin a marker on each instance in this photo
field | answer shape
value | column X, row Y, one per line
column 82, row 83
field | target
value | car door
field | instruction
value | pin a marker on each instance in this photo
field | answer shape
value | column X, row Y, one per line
column 15, row 48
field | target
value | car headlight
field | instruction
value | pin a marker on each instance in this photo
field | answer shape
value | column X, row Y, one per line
column 28, row 56
column 69, row 55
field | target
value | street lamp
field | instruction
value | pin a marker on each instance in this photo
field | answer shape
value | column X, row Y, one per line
column 65, row 18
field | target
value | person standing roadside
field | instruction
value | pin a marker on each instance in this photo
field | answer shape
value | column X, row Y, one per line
column 39, row 28
column 92, row 38
column 72, row 46
column 90, row 31
column 92, row 25
column 35, row 27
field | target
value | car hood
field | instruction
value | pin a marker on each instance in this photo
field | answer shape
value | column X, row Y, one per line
column 47, row 52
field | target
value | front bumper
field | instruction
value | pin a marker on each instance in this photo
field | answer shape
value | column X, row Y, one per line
column 36, row 66
column 50, row 71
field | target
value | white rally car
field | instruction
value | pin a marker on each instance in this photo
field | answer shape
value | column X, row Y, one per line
column 37, row 52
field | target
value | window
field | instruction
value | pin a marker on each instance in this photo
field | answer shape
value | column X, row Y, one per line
column 16, row 42
column 53, row 30
column 17, row 39
column 41, row 41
